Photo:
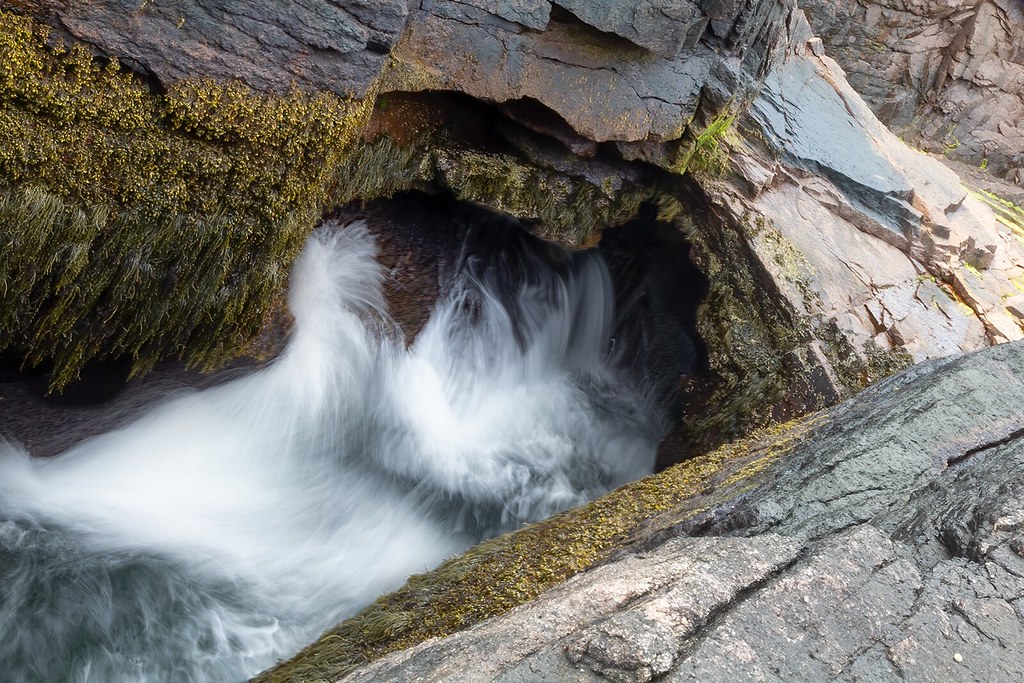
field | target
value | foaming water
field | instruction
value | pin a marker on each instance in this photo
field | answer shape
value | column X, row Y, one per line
column 221, row 531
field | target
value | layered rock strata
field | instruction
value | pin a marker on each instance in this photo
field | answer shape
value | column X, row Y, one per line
column 836, row 254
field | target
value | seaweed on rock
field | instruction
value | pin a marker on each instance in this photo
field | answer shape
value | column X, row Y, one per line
column 149, row 225
column 499, row 574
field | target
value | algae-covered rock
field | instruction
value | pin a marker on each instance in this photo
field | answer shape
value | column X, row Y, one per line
column 146, row 225
column 507, row 571
column 883, row 544
column 336, row 46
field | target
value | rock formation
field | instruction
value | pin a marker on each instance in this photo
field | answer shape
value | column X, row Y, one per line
column 871, row 255
column 886, row 545
column 336, row 46
column 948, row 76
column 834, row 253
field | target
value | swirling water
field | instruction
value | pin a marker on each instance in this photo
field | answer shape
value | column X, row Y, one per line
column 222, row 530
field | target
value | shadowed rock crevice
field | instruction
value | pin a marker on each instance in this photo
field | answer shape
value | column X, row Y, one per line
column 657, row 284
column 658, row 288
column 831, row 254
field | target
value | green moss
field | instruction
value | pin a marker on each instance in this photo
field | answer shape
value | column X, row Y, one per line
column 751, row 339
column 856, row 370
column 507, row 571
column 143, row 225
column 569, row 209
column 705, row 156
column 882, row 363
column 759, row 347
column 792, row 265
column 380, row 169
column 163, row 225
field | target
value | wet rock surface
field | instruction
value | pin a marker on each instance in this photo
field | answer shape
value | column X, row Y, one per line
column 886, row 546
column 47, row 425
column 837, row 254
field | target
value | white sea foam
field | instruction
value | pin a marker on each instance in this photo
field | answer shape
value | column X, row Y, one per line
column 222, row 530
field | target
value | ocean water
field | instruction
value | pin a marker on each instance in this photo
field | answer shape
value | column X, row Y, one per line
column 226, row 528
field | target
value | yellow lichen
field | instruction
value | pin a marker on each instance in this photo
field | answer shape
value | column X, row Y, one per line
column 507, row 571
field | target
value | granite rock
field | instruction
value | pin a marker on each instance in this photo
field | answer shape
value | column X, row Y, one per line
column 949, row 76
column 335, row 45
column 887, row 545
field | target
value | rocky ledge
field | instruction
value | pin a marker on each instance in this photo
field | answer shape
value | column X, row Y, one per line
column 878, row 540
column 888, row 544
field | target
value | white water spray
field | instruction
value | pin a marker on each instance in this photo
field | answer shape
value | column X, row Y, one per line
column 226, row 528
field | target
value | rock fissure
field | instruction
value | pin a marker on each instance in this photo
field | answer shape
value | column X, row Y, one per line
column 714, row 618
column 802, row 314
column 978, row 450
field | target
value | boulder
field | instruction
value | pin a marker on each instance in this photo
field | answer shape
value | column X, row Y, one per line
column 887, row 545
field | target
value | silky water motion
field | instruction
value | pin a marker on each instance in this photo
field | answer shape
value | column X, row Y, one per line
column 227, row 527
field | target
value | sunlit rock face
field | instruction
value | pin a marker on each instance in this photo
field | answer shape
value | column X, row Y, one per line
column 949, row 76
column 901, row 254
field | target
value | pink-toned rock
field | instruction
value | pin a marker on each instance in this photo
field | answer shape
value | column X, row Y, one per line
column 949, row 76
column 859, row 230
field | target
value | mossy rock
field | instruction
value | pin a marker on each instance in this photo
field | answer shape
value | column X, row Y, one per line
column 148, row 225
column 163, row 225
column 499, row 574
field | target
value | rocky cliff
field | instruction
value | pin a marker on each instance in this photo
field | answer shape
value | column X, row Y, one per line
column 179, row 154
column 835, row 254
column 948, row 76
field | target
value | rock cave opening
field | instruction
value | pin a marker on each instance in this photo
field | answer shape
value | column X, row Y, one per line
column 657, row 288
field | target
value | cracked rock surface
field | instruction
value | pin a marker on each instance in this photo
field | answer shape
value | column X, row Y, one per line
column 948, row 75
column 336, row 45
column 901, row 254
column 614, row 70
column 888, row 545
